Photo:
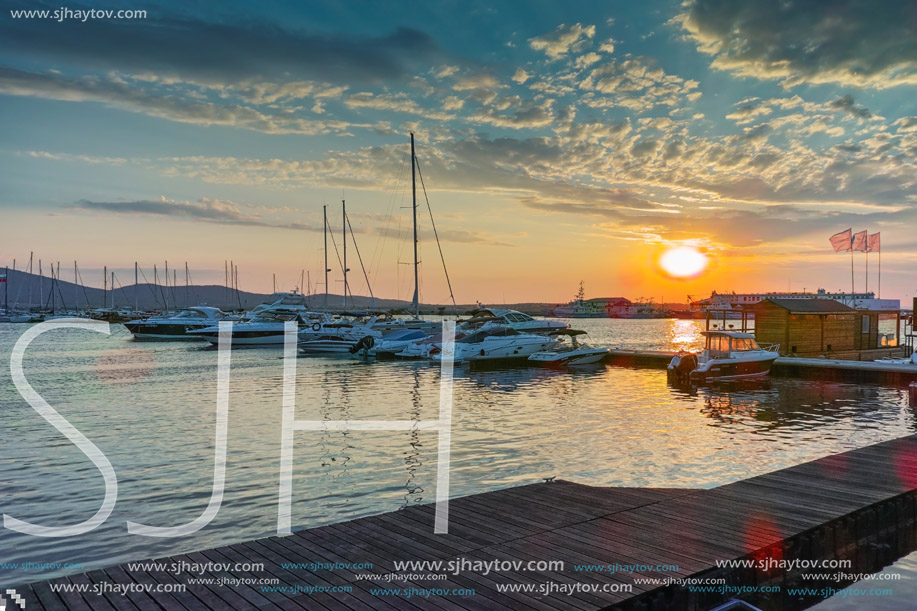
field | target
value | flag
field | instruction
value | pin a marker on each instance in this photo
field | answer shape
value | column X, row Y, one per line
column 2, row 278
column 873, row 243
column 859, row 242
column 842, row 241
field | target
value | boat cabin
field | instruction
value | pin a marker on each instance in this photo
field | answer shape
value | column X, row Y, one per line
column 721, row 344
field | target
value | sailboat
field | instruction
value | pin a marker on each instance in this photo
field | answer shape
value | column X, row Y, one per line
column 8, row 315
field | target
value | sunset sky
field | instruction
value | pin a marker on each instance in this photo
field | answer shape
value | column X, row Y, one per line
column 559, row 142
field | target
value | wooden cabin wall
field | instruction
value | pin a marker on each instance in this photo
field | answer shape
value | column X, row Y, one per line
column 771, row 325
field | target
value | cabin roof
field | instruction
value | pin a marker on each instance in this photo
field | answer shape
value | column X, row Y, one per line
column 814, row 306
column 735, row 334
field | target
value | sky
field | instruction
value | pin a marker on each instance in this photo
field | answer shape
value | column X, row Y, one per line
column 558, row 143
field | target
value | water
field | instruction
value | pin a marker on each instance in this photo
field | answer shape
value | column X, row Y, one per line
column 150, row 408
column 887, row 590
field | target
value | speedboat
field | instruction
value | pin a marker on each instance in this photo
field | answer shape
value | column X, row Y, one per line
column 388, row 324
column 337, row 335
column 266, row 329
column 179, row 326
column 390, row 344
column 570, row 355
column 279, row 303
column 519, row 321
column 495, row 343
column 727, row 355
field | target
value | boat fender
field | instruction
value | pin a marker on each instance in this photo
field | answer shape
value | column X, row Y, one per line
column 316, row 327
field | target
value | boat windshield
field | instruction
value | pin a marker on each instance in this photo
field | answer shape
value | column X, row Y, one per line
column 743, row 344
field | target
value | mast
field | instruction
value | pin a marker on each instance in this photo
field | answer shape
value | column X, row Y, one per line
column 31, row 254
column 226, row 282
column 187, row 286
column 41, row 281
column 6, row 291
column 136, row 287
column 112, row 290
column 325, row 216
column 76, row 287
column 415, row 302
column 344, row 237
column 104, row 285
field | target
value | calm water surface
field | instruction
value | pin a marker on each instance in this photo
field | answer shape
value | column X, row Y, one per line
column 150, row 408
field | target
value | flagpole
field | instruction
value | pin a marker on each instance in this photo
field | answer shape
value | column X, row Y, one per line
column 852, row 290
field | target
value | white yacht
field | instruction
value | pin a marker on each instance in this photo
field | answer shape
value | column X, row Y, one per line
column 572, row 354
column 265, row 329
column 519, row 321
column 727, row 355
column 390, row 344
column 495, row 343
column 181, row 326
column 337, row 335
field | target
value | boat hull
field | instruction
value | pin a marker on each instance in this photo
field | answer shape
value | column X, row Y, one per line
column 571, row 358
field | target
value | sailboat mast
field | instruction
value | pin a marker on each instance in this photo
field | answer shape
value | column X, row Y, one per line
column 416, row 301
column 325, row 226
column 113, row 290
column 76, row 287
column 6, row 290
column 31, row 271
column 187, row 286
column 104, row 285
column 136, row 287
column 344, row 237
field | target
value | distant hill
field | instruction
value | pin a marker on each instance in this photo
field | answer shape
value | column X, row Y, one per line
column 32, row 291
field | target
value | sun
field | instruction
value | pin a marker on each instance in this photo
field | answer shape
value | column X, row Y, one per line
column 683, row 262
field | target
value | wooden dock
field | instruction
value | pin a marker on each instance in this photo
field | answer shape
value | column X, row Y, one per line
column 836, row 370
column 838, row 506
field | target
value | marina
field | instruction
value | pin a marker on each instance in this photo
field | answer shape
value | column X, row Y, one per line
column 405, row 306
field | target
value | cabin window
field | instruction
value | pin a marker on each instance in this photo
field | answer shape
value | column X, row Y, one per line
column 829, row 346
column 865, row 324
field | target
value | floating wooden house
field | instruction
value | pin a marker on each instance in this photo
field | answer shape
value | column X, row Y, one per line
column 819, row 327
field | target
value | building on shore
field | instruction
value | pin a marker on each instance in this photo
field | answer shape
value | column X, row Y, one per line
column 818, row 327
column 736, row 301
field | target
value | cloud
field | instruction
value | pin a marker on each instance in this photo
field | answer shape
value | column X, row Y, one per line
column 205, row 209
column 847, row 104
column 562, row 40
column 218, row 50
column 636, row 83
column 848, row 42
column 521, row 76
column 121, row 96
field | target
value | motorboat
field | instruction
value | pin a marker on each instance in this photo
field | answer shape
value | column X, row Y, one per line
column 337, row 335
column 727, row 355
column 180, row 326
column 16, row 317
column 278, row 303
column 572, row 354
column 518, row 320
column 390, row 324
column 389, row 345
column 912, row 360
column 266, row 329
column 496, row 343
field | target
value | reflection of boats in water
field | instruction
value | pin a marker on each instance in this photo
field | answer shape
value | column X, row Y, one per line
column 727, row 355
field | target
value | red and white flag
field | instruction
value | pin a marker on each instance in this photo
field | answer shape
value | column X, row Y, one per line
column 873, row 243
column 842, row 241
column 859, row 241
column 2, row 278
